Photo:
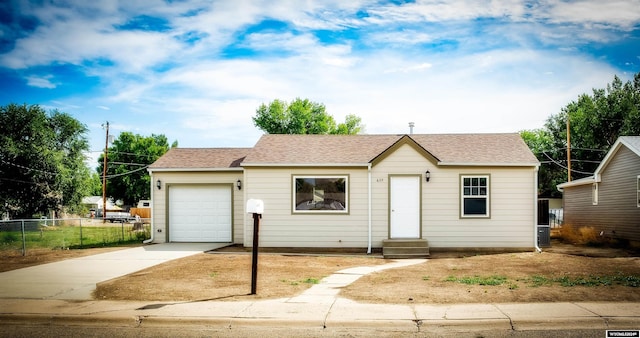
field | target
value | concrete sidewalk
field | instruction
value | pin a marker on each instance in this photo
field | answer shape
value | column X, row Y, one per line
column 77, row 278
column 339, row 314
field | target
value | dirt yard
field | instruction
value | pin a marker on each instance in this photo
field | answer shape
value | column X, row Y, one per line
column 562, row 273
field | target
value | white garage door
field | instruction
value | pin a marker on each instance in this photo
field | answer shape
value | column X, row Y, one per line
column 199, row 214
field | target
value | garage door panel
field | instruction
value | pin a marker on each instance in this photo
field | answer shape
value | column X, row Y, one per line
column 199, row 214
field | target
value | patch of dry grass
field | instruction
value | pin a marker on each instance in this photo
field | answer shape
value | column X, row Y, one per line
column 227, row 276
column 516, row 277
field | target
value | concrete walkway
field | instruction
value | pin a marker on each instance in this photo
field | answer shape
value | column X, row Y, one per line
column 76, row 279
column 329, row 287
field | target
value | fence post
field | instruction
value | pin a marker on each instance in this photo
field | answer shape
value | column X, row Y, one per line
column 122, row 240
column 24, row 240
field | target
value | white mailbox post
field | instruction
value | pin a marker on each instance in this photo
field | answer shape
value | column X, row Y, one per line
column 255, row 207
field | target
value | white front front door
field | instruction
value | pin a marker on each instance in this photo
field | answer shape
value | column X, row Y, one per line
column 405, row 207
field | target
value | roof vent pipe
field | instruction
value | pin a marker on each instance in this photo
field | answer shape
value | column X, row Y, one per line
column 411, row 125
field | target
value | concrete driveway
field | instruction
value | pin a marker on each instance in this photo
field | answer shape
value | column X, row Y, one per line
column 76, row 279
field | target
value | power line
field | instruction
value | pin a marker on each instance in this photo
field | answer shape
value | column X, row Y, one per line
column 572, row 148
column 125, row 163
column 564, row 167
column 123, row 152
column 30, row 169
column 127, row 173
column 19, row 181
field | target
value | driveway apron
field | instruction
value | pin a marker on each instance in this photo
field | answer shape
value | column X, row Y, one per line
column 76, row 279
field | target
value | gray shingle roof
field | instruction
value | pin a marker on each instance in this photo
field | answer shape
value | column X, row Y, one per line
column 276, row 149
column 201, row 158
column 318, row 149
column 459, row 149
column 502, row 149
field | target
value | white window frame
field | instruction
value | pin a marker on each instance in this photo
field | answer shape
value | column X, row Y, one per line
column 594, row 194
column 319, row 197
column 486, row 196
column 638, row 190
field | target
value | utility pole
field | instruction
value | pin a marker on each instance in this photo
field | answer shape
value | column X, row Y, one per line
column 104, row 175
column 568, row 150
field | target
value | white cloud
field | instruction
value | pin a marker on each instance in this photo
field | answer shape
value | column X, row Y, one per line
column 404, row 37
column 623, row 14
column 41, row 81
column 410, row 68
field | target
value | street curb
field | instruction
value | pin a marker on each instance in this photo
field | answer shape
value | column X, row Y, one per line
column 403, row 325
column 48, row 319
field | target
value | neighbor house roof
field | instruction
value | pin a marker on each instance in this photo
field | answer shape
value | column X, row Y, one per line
column 200, row 159
column 631, row 142
column 446, row 149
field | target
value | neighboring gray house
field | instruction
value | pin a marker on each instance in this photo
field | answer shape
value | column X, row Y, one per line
column 352, row 191
column 608, row 201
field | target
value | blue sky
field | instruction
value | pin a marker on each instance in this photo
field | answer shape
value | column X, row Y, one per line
column 196, row 70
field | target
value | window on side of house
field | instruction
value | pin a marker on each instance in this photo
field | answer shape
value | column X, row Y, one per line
column 321, row 194
column 474, row 196
column 594, row 194
column 638, row 190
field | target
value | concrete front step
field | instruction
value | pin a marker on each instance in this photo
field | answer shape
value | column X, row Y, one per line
column 405, row 248
column 405, row 243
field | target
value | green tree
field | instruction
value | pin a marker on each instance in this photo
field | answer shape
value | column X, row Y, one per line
column 595, row 121
column 41, row 161
column 351, row 126
column 128, row 159
column 302, row 117
column 540, row 142
column 95, row 185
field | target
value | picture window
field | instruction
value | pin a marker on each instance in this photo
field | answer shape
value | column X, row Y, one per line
column 320, row 194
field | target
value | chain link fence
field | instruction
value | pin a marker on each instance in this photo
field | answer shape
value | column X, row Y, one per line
column 70, row 233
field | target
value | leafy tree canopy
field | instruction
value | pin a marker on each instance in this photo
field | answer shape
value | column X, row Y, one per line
column 595, row 121
column 302, row 117
column 127, row 162
column 41, row 161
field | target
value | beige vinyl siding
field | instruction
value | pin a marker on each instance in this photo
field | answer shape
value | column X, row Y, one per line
column 159, row 198
column 280, row 227
column 616, row 213
column 511, row 223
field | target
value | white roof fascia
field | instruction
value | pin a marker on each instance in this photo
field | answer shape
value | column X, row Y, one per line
column 193, row 169
column 596, row 178
column 582, row 181
column 326, row 165
column 463, row 164
column 614, row 149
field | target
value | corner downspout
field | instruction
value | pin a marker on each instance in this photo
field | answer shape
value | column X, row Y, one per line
column 369, row 209
column 535, row 209
column 150, row 240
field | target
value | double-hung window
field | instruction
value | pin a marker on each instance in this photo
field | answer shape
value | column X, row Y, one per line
column 474, row 196
column 320, row 194
column 638, row 190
